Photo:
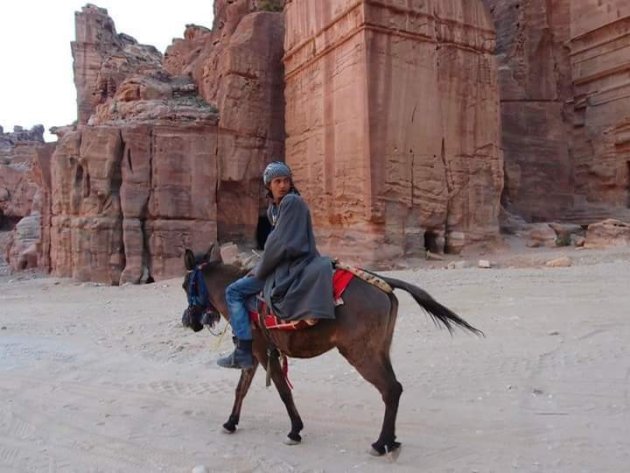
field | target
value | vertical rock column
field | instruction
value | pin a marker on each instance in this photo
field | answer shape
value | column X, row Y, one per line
column 129, row 200
column 86, row 233
column 535, row 82
column 96, row 39
column 238, row 67
column 393, row 124
column 600, row 67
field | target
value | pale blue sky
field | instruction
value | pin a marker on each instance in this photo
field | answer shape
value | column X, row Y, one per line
column 36, row 79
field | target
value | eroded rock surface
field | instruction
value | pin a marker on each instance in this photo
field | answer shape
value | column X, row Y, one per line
column 166, row 154
column 393, row 124
column 24, row 197
column 565, row 96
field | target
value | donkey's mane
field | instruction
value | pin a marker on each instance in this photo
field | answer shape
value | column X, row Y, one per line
column 230, row 270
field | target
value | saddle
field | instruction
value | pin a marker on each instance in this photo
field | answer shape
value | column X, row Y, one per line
column 341, row 279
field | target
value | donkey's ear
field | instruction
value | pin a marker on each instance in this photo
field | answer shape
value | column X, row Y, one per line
column 213, row 253
column 189, row 260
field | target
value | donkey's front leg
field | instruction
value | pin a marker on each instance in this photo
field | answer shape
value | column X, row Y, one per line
column 242, row 387
column 284, row 390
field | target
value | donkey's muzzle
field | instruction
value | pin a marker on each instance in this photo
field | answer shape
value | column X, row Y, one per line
column 210, row 317
column 191, row 318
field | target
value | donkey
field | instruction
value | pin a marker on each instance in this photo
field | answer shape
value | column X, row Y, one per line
column 362, row 332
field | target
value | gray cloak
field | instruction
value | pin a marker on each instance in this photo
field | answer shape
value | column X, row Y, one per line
column 298, row 281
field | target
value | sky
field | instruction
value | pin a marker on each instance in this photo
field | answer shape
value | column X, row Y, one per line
column 36, row 77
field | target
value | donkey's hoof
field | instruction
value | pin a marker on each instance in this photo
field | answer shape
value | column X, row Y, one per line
column 393, row 455
column 293, row 439
column 229, row 428
column 392, row 450
column 375, row 453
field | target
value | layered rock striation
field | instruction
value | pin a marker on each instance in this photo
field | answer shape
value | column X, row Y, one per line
column 158, row 141
column 395, row 118
column 393, row 126
column 238, row 67
column 25, row 197
column 600, row 73
column 563, row 69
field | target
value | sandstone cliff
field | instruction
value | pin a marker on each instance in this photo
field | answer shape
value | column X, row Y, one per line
column 238, row 67
column 167, row 153
column 409, row 124
column 563, row 68
column 25, row 197
column 393, row 124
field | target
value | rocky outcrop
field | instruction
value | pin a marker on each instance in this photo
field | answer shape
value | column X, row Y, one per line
column 564, row 99
column 608, row 233
column 163, row 153
column 535, row 83
column 392, row 119
column 24, row 197
column 104, row 58
column 136, row 187
column 600, row 72
column 9, row 140
column 393, row 127
column 238, row 67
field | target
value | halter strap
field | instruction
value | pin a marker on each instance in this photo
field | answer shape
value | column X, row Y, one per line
column 197, row 290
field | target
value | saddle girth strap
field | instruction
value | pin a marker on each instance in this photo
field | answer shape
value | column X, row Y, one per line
column 366, row 276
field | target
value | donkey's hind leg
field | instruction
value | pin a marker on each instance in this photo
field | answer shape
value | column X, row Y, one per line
column 281, row 384
column 379, row 372
column 242, row 387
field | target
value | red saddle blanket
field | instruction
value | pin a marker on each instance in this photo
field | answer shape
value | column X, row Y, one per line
column 341, row 279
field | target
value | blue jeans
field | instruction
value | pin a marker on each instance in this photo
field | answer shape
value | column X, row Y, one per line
column 236, row 296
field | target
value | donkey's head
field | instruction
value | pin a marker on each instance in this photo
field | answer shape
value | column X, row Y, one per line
column 200, row 310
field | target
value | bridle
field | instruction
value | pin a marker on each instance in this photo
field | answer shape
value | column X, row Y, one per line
column 198, row 297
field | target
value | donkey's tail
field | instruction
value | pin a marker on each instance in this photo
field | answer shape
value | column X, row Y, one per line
column 437, row 311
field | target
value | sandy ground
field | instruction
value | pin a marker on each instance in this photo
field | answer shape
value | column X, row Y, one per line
column 105, row 379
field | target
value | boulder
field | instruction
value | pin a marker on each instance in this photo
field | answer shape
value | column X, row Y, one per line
column 541, row 234
column 608, row 233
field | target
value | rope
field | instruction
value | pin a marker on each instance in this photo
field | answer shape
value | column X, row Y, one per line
column 220, row 335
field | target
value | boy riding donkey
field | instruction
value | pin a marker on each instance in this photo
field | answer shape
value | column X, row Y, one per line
column 292, row 275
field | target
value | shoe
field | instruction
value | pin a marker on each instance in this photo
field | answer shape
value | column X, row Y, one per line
column 241, row 358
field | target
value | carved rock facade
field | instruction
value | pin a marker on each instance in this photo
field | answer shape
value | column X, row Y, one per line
column 392, row 120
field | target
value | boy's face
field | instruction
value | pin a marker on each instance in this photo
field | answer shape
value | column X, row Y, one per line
column 279, row 187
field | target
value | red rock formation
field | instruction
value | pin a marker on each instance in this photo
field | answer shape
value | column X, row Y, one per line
column 600, row 70
column 238, row 67
column 564, row 99
column 392, row 117
column 24, row 197
column 159, row 164
column 608, row 233
column 534, row 74
column 393, row 124
column 103, row 59
column 136, row 189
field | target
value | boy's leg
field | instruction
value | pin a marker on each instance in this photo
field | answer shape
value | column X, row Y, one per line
column 236, row 296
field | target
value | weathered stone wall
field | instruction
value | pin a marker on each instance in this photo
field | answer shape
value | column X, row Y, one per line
column 237, row 66
column 564, row 99
column 133, row 199
column 165, row 156
column 393, row 124
column 600, row 68
column 103, row 59
column 25, row 197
